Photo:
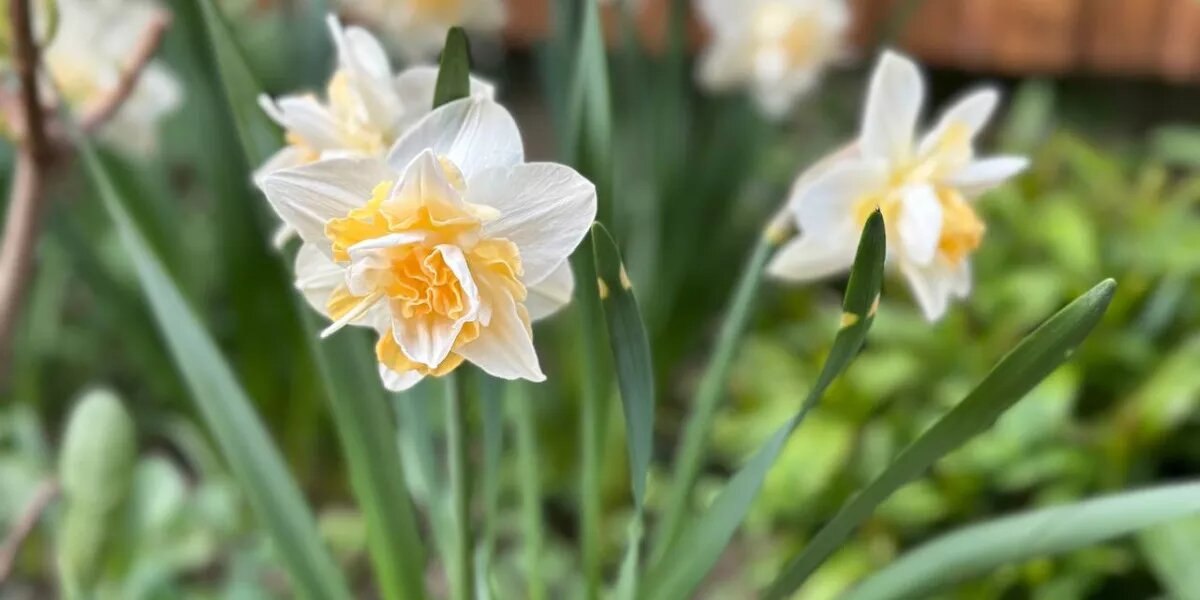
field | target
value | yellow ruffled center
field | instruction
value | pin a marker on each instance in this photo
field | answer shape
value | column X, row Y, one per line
column 415, row 279
column 962, row 229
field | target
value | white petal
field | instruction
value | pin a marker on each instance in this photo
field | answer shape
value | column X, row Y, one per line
column 504, row 348
column 309, row 196
column 983, row 175
column 552, row 293
column 317, row 276
column 387, row 241
column 398, row 382
column 415, row 88
column 960, row 280
column 475, row 133
column 931, row 287
column 816, row 255
column 283, row 234
column 893, row 106
column 972, row 112
column 545, row 209
column 424, row 181
column 285, row 157
column 829, row 197
column 306, row 117
column 358, row 50
column 920, row 225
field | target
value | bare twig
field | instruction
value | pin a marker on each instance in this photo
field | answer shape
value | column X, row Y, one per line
column 147, row 45
column 34, row 156
column 42, row 141
column 42, row 497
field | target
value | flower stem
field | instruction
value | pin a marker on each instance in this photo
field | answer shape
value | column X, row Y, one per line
column 690, row 454
column 525, row 424
column 456, row 438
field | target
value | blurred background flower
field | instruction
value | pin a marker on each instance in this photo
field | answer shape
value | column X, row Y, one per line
column 1099, row 96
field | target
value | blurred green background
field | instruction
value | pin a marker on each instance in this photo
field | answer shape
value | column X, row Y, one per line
column 1114, row 192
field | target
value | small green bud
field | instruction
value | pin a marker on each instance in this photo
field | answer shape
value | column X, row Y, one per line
column 98, row 453
column 96, row 463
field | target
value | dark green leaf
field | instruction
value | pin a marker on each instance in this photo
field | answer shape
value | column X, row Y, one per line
column 1017, row 373
column 454, row 70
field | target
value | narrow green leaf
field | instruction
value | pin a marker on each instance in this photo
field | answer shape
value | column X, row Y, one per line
column 635, row 378
column 974, row 551
column 454, row 69
column 346, row 368
column 460, row 567
column 631, row 356
column 223, row 404
column 589, row 148
column 689, row 558
column 1032, row 360
column 258, row 134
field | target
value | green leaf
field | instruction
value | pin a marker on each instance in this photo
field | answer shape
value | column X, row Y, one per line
column 490, row 393
column 258, row 134
column 525, row 425
column 976, row 550
column 589, row 148
column 454, row 69
column 347, row 369
column 689, row 558
column 223, row 404
column 1031, row 361
column 635, row 379
column 631, row 355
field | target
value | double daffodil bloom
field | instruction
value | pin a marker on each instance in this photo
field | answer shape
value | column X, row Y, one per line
column 924, row 188
column 448, row 248
column 95, row 41
column 776, row 48
column 419, row 26
column 365, row 110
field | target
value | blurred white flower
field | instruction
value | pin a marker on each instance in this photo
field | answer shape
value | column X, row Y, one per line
column 924, row 190
column 365, row 110
column 419, row 26
column 448, row 248
column 776, row 48
column 95, row 41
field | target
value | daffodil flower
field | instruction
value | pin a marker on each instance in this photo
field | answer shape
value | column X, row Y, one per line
column 777, row 48
column 924, row 188
column 419, row 26
column 365, row 110
column 94, row 42
column 448, row 248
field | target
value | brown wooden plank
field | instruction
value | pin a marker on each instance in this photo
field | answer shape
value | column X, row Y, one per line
column 1036, row 36
column 1123, row 36
column 1179, row 54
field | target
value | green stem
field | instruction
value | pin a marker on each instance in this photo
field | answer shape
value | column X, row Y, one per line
column 531, row 492
column 460, row 492
column 592, row 414
column 690, row 454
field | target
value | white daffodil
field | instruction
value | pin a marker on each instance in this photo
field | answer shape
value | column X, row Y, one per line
column 419, row 26
column 448, row 248
column 95, row 41
column 365, row 110
column 924, row 188
column 776, row 48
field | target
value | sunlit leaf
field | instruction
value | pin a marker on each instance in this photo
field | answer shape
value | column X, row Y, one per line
column 976, row 550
